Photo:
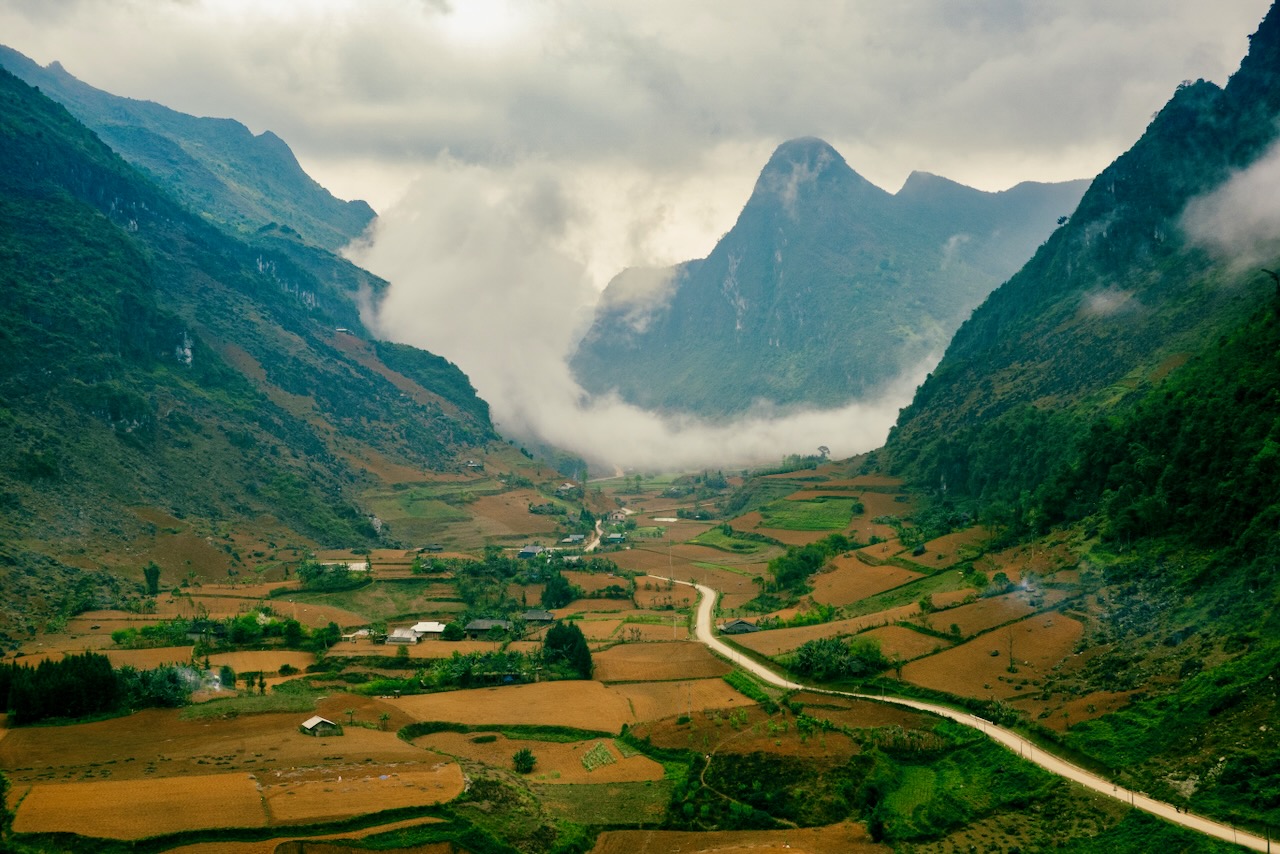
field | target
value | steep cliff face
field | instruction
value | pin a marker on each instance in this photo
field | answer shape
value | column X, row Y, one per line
column 826, row 288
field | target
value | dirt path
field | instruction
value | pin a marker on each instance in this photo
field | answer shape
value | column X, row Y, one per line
column 1010, row 739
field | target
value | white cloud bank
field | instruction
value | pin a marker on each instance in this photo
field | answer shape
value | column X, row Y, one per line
column 1240, row 220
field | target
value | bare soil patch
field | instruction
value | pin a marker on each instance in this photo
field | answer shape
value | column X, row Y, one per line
column 952, row 549
column 860, row 714
column 267, row 661
column 590, row 582
column 586, row 705
column 970, row 670
column 845, row 838
column 898, row 642
column 599, row 630
column 656, row 700
column 633, row 662
column 879, row 552
column 132, row 809
column 557, row 762
column 749, row 731
column 777, row 641
column 509, row 512
column 852, row 580
column 981, row 615
column 328, row 793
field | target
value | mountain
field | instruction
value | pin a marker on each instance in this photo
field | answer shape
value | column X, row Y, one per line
column 171, row 392
column 1119, row 395
column 215, row 166
column 1116, row 298
column 825, row 289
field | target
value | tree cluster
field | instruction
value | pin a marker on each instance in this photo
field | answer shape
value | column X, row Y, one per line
column 85, row 685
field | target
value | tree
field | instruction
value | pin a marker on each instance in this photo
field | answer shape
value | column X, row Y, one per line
column 382, row 720
column 453, row 632
column 566, row 645
column 558, row 592
column 524, row 760
column 351, row 715
column 227, row 677
column 151, row 572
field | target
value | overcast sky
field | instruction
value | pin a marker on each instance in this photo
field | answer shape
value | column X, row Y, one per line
column 546, row 144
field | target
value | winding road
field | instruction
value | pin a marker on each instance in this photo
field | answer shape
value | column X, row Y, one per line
column 1032, row 753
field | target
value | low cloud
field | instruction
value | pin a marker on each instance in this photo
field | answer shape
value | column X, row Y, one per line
column 1108, row 303
column 486, row 271
column 1240, row 220
column 638, row 294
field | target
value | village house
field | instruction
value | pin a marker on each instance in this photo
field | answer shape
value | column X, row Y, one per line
column 573, row 539
column 477, row 628
column 738, row 627
column 530, row 552
column 402, row 636
column 318, row 726
column 428, row 630
column 538, row 616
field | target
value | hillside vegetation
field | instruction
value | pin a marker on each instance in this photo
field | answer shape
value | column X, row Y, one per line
column 149, row 360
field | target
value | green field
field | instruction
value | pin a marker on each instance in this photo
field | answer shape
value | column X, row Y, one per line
column 818, row 514
column 716, row 538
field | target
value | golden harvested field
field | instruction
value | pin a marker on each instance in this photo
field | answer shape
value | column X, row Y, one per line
column 1023, row 559
column 158, row 743
column 590, row 582
column 657, row 631
column 634, row 662
column 1039, row 643
column 315, row 843
column 655, row 700
column 268, row 661
column 1087, row 708
column 325, row 794
column 948, row 551
column 557, row 762
column 852, row 580
column 986, row 613
column 903, row 643
column 845, row 838
column 132, row 809
column 508, row 513
column 658, row 595
column 599, row 630
column 880, row 552
column 584, row 705
column 981, row 615
column 428, row 649
column 596, row 606
column 777, row 641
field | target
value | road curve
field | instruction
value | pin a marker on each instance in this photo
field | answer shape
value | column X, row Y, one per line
column 704, row 631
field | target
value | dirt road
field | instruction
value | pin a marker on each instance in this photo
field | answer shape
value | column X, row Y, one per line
column 1032, row 753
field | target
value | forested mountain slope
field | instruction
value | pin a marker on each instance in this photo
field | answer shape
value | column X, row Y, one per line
column 161, row 380
column 214, row 166
column 826, row 288
column 1114, row 300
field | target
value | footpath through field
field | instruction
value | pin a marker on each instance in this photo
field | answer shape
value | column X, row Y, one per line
column 1010, row 739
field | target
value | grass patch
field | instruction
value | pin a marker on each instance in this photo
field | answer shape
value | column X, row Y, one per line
column 293, row 699
column 624, row 804
column 817, row 514
column 597, row 757
column 912, row 591
column 380, row 599
column 716, row 538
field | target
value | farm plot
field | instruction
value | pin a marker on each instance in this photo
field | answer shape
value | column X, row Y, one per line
column 596, row 606
column 654, row 632
column 590, row 582
column 584, row 705
column 852, row 580
column 591, row 761
column 635, row 662
column 133, row 809
column 330, row 795
column 750, row 730
column 808, row 514
column 656, row 594
column 777, row 641
column 269, row 661
column 903, row 644
column 981, row 615
column 972, row 670
column 951, row 549
column 508, row 514
column 860, row 714
column 607, row 803
column 844, row 838
column 430, row 649
column 655, row 700
column 877, row 553
column 599, row 630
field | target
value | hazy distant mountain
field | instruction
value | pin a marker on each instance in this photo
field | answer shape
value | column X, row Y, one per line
column 216, row 167
column 826, row 288
column 161, row 379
